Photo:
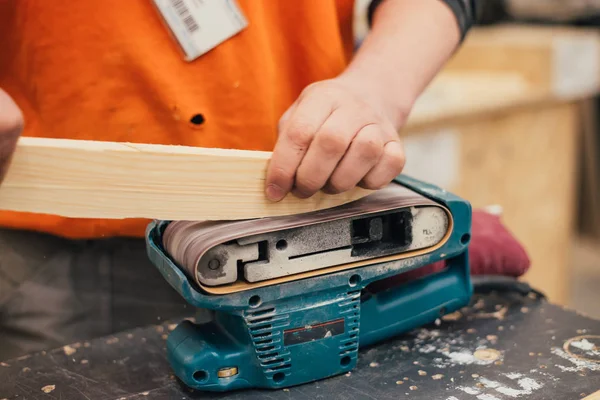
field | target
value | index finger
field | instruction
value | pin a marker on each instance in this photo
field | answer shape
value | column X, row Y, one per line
column 296, row 136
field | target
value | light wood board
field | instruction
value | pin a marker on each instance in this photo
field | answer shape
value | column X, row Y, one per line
column 86, row 179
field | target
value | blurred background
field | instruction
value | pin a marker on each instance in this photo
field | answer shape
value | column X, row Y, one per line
column 514, row 120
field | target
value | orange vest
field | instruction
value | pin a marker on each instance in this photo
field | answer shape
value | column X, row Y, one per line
column 109, row 70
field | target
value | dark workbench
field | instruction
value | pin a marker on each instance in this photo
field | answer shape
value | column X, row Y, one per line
column 502, row 347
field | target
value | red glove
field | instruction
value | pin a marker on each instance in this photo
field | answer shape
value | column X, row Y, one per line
column 493, row 251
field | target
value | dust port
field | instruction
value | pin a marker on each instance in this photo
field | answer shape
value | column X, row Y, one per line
column 201, row 376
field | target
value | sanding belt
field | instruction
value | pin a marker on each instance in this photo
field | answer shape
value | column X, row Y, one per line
column 493, row 251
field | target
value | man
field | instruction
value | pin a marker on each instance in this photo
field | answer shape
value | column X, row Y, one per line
column 111, row 70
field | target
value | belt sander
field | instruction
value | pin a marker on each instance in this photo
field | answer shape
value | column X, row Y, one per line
column 290, row 295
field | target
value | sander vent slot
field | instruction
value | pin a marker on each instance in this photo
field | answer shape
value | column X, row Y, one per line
column 350, row 309
column 279, row 368
column 265, row 328
column 263, row 342
column 259, row 313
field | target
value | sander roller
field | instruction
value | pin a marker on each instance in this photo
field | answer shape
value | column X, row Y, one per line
column 290, row 295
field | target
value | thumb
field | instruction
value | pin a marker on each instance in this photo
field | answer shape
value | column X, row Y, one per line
column 11, row 127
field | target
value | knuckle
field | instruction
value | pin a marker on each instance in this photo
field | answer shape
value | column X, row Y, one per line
column 337, row 187
column 11, row 122
column 307, row 185
column 333, row 143
column 369, row 146
column 281, row 176
column 396, row 157
column 373, row 183
column 300, row 134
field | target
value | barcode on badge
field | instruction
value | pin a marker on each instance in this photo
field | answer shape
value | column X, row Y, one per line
column 185, row 15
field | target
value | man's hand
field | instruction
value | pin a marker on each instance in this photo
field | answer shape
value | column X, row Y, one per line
column 344, row 132
column 11, row 126
column 333, row 138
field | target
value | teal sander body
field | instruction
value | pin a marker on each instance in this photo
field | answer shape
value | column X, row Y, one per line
column 307, row 329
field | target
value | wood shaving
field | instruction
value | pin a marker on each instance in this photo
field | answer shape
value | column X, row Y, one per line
column 69, row 350
column 48, row 388
column 455, row 316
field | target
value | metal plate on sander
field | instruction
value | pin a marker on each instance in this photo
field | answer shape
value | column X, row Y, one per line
column 231, row 256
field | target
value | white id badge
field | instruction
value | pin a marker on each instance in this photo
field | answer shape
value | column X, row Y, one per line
column 201, row 25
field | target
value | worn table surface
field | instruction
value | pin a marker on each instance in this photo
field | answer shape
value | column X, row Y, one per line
column 502, row 347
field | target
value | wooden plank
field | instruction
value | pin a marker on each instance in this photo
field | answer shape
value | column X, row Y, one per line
column 86, row 179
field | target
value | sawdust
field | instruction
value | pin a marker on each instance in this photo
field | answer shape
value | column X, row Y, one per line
column 3, row 364
column 172, row 327
column 130, row 336
column 437, row 377
column 479, row 305
column 26, row 369
column 422, row 373
column 84, row 361
column 399, row 382
column 69, row 350
column 112, row 340
column 487, row 354
column 374, row 364
column 48, row 388
column 413, row 388
column 455, row 316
